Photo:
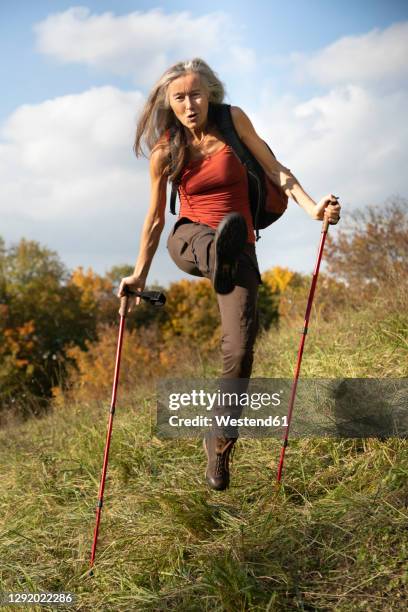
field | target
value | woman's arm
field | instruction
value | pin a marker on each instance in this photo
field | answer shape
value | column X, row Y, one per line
column 277, row 172
column 152, row 227
column 155, row 217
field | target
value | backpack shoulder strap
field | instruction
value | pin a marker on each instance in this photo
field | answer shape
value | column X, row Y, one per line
column 173, row 198
column 174, row 185
column 222, row 112
column 225, row 124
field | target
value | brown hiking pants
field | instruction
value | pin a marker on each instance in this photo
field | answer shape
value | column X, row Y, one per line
column 191, row 246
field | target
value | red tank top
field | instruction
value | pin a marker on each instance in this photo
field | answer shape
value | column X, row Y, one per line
column 214, row 186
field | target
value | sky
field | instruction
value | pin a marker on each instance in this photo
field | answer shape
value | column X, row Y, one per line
column 324, row 82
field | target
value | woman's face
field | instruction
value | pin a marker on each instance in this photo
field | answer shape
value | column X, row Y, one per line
column 189, row 100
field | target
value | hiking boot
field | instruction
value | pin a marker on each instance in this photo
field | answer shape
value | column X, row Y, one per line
column 230, row 239
column 218, row 451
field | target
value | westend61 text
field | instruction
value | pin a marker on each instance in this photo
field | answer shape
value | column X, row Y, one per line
column 228, row 421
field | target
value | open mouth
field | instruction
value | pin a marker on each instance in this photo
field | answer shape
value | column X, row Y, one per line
column 192, row 116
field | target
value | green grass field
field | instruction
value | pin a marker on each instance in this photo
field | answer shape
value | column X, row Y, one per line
column 333, row 536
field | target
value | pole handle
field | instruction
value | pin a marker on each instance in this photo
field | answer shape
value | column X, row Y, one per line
column 154, row 298
column 123, row 305
column 326, row 222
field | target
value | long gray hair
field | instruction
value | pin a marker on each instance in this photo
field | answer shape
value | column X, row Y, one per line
column 157, row 115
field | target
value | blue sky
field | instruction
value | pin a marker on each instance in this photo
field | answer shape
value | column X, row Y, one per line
column 268, row 26
column 324, row 82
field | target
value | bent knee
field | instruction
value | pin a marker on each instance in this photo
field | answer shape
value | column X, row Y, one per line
column 238, row 361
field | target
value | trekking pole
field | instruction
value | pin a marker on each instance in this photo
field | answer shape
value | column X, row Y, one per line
column 325, row 227
column 156, row 299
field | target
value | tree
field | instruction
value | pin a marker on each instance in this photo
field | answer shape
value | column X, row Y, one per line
column 42, row 314
column 371, row 249
column 192, row 313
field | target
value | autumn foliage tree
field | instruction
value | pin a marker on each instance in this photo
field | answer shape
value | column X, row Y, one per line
column 90, row 372
column 42, row 313
column 365, row 256
column 61, row 327
column 369, row 250
column 192, row 313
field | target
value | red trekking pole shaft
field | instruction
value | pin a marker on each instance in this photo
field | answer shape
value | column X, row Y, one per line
column 122, row 312
column 302, row 344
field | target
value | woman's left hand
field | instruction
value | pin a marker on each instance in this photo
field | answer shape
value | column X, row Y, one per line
column 327, row 206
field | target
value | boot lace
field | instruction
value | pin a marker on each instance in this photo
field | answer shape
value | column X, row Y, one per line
column 222, row 457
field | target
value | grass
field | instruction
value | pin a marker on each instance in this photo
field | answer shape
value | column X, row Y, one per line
column 333, row 536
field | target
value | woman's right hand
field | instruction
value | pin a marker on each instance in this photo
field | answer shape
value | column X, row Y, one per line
column 134, row 283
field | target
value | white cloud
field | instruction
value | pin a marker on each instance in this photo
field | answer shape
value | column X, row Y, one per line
column 378, row 57
column 352, row 137
column 69, row 179
column 71, row 154
column 349, row 140
column 140, row 44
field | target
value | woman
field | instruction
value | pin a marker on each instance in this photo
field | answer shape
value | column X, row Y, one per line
column 214, row 234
